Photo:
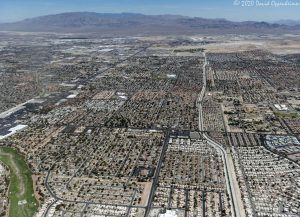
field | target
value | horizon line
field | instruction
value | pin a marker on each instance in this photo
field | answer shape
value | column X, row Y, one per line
column 146, row 14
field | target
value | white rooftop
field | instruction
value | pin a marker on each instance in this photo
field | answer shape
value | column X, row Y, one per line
column 169, row 213
column 281, row 107
column 13, row 130
column 71, row 96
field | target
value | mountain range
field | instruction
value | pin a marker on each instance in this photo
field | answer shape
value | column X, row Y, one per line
column 140, row 24
column 288, row 22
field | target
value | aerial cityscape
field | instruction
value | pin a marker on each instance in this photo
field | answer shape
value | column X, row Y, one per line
column 134, row 115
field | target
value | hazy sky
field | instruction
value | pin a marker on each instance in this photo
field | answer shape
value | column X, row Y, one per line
column 14, row 10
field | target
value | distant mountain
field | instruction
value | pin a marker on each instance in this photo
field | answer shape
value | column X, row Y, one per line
column 138, row 24
column 288, row 22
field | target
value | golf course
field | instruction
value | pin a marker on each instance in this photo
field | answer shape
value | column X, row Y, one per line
column 22, row 202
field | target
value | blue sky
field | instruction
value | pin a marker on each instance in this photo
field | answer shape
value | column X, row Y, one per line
column 14, row 10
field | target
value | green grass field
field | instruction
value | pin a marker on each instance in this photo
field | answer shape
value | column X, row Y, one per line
column 286, row 114
column 20, row 184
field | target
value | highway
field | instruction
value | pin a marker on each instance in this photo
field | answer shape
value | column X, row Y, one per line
column 236, row 205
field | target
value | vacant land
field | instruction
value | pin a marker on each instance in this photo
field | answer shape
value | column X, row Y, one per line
column 22, row 201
